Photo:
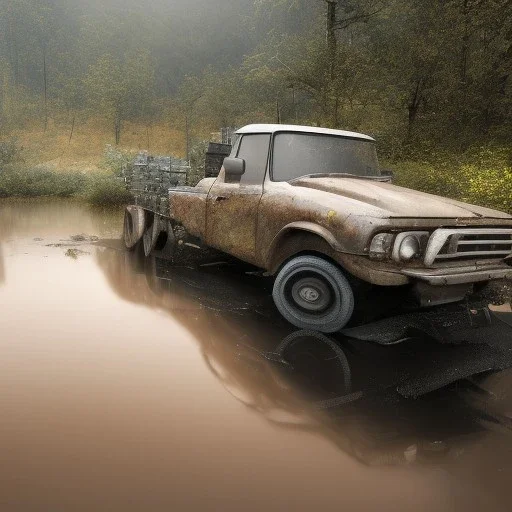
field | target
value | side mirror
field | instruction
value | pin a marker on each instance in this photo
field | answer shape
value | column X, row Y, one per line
column 234, row 166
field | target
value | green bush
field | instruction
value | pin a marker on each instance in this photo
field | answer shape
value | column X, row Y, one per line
column 9, row 151
column 96, row 189
column 115, row 160
column 488, row 179
column 22, row 182
column 481, row 176
column 490, row 187
column 197, row 162
column 107, row 190
column 428, row 177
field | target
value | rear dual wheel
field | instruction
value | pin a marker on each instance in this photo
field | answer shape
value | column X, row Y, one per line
column 313, row 293
column 134, row 225
column 154, row 231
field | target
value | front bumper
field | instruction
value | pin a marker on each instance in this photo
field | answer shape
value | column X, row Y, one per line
column 388, row 274
column 458, row 275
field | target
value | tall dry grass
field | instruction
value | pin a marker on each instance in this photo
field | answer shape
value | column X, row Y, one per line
column 84, row 149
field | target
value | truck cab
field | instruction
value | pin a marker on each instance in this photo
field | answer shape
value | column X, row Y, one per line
column 312, row 207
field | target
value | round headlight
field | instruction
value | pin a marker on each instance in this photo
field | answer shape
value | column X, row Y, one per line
column 410, row 248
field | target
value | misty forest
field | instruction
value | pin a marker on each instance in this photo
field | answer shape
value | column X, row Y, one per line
column 85, row 85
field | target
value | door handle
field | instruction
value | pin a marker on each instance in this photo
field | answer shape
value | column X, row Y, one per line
column 218, row 199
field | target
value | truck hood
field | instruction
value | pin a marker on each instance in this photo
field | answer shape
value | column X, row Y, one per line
column 382, row 199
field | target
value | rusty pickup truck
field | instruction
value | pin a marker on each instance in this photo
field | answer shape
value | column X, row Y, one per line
column 312, row 207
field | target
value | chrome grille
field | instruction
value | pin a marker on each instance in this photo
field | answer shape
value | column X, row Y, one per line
column 458, row 244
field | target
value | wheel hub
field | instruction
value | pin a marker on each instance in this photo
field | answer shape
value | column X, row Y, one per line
column 311, row 294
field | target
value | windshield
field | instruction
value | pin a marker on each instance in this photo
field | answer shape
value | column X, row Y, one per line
column 300, row 154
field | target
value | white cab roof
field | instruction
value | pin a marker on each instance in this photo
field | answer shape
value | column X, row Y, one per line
column 273, row 128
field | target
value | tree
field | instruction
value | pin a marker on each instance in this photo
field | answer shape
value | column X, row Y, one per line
column 121, row 90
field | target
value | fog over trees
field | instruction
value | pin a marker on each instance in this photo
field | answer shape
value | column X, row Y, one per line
column 410, row 72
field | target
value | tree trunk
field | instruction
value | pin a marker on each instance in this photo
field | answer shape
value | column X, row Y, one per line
column 45, row 90
column 13, row 52
column 331, row 37
column 117, row 129
column 413, row 107
column 465, row 46
column 336, row 118
column 187, row 138
column 72, row 129
column 294, row 100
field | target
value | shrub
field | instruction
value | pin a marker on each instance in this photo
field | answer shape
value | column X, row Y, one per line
column 96, row 189
column 488, row 178
column 197, row 161
column 9, row 151
column 107, row 190
column 115, row 160
column 481, row 176
column 490, row 187
column 29, row 182
column 428, row 177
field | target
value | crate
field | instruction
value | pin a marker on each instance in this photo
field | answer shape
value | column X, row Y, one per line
column 215, row 158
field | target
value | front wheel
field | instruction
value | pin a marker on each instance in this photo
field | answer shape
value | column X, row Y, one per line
column 312, row 293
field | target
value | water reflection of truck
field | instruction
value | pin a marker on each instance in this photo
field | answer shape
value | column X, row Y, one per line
column 312, row 207
column 303, row 380
column 2, row 266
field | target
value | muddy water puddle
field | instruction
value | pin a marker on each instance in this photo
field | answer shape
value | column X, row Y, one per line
column 129, row 385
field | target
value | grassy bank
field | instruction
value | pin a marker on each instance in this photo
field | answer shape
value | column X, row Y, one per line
column 79, row 144
column 78, row 159
column 101, row 189
column 481, row 176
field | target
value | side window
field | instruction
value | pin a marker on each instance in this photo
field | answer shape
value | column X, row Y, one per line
column 235, row 145
column 254, row 150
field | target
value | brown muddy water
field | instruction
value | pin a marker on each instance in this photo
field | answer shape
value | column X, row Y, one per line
column 129, row 385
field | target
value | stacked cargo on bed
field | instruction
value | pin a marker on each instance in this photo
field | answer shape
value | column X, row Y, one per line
column 150, row 177
column 215, row 158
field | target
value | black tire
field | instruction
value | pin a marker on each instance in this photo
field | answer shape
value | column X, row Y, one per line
column 149, row 236
column 134, row 220
column 312, row 293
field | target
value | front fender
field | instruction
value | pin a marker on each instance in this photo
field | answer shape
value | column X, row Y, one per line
column 308, row 227
column 306, row 236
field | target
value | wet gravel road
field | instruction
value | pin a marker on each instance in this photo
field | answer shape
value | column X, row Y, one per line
column 126, row 384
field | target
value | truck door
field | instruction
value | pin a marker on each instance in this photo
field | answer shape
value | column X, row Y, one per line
column 232, row 209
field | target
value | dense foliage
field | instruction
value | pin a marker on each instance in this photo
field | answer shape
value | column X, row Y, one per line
column 482, row 176
column 96, row 189
column 401, row 69
column 431, row 80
